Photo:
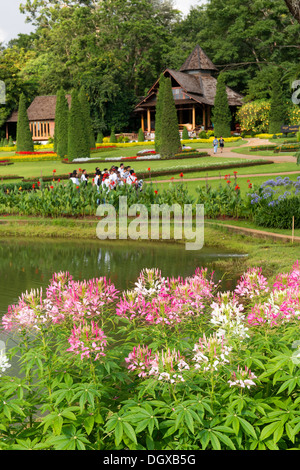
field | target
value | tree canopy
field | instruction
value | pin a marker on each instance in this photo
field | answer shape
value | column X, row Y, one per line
column 116, row 50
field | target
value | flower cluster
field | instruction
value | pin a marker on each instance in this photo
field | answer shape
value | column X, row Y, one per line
column 4, row 364
column 227, row 315
column 65, row 300
column 166, row 366
column 211, row 353
column 283, row 302
column 87, row 340
column 242, row 378
column 158, row 300
column 252, row 283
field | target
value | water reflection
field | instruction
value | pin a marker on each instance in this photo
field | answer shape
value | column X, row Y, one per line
column 31, row 264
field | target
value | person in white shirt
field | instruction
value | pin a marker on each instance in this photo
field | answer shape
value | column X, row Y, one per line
column 131, row 178
column 74, row 177
column 84, row 177
column 113, row 178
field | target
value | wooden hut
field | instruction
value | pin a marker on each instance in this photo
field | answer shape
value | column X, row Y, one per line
column 41, row 115
column 194, row 90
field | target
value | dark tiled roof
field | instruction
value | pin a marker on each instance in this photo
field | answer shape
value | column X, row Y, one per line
column 196, row 80
column 41, row 109
column 197, row 60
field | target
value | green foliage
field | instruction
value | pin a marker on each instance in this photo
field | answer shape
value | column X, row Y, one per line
column 141, row 136
column 254, row 117
column 100, row 137
column 86, row 113
column 77, row 147
column 221, row 114
column 185, row 134
column 113, row 138
column 61, row 124
column 158, row 112
column 24, row 137
column 169, row 138
column 278, row 108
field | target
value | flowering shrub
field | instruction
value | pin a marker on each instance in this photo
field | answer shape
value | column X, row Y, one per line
column 276, row 202
column 95, row 373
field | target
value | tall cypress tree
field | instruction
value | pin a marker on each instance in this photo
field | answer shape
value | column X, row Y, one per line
column 158, row 112
column 61, row 124
column 24, row 137
column 77, row 147
column 170, row 139
column 278, row 108
column 221, row 115
column 86, row 111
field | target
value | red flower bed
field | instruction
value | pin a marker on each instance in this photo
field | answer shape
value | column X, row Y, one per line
column 35, row 153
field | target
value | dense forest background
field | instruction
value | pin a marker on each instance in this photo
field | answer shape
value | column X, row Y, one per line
column 117, row 49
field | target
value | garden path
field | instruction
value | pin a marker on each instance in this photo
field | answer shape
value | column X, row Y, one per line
column 227, row 153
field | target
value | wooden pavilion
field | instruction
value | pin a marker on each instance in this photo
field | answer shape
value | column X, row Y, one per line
column 41, row 115
column 194, row 90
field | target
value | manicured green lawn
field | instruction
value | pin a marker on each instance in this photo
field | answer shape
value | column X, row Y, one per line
column 250, row 225
column 262, row 153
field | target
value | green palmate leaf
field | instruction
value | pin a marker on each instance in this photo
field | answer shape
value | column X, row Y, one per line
column 225, row 439
column 89, row 424
column 189, row 420
column 119, row 432
column 247, row 427
column 129, row 431
column 216, row 445
column 269, row 430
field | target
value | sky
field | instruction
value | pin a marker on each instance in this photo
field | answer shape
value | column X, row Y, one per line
column 12, row 22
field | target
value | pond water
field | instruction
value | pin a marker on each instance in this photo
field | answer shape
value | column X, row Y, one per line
column 30, row 264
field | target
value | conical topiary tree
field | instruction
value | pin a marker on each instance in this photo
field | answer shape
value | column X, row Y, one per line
column 169, row 139
column 278, row 107
column 24, row 137
column 158, row 112
column 77, row 147
column 141, row 137
column 100, row 137
column 61, row 124
column 113, row 138
column 185, row 134
column 221, row 115
column 86, row 111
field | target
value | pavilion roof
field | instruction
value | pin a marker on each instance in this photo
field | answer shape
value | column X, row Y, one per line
column 41, row 109
column 198, row 60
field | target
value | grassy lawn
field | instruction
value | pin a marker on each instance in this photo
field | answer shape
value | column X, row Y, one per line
column 242, row 182
column 251, row 225
column 262, row 153
column 45, row 168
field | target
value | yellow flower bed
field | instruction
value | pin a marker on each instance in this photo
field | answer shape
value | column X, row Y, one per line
column 33, row 158
column 147, row 143
column 36, row 147
column 266, row 136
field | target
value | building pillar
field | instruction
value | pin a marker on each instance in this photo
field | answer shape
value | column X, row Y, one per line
column 7, row 136
column 194, row 117
column 208, row 116
column 142, row 122
column 204, row 116
column 149, row 120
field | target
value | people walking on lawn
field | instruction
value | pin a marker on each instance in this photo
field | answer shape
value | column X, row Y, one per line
column 215, row 145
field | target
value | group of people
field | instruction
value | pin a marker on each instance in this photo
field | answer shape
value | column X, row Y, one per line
column 109, row 179
column 216, row 144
